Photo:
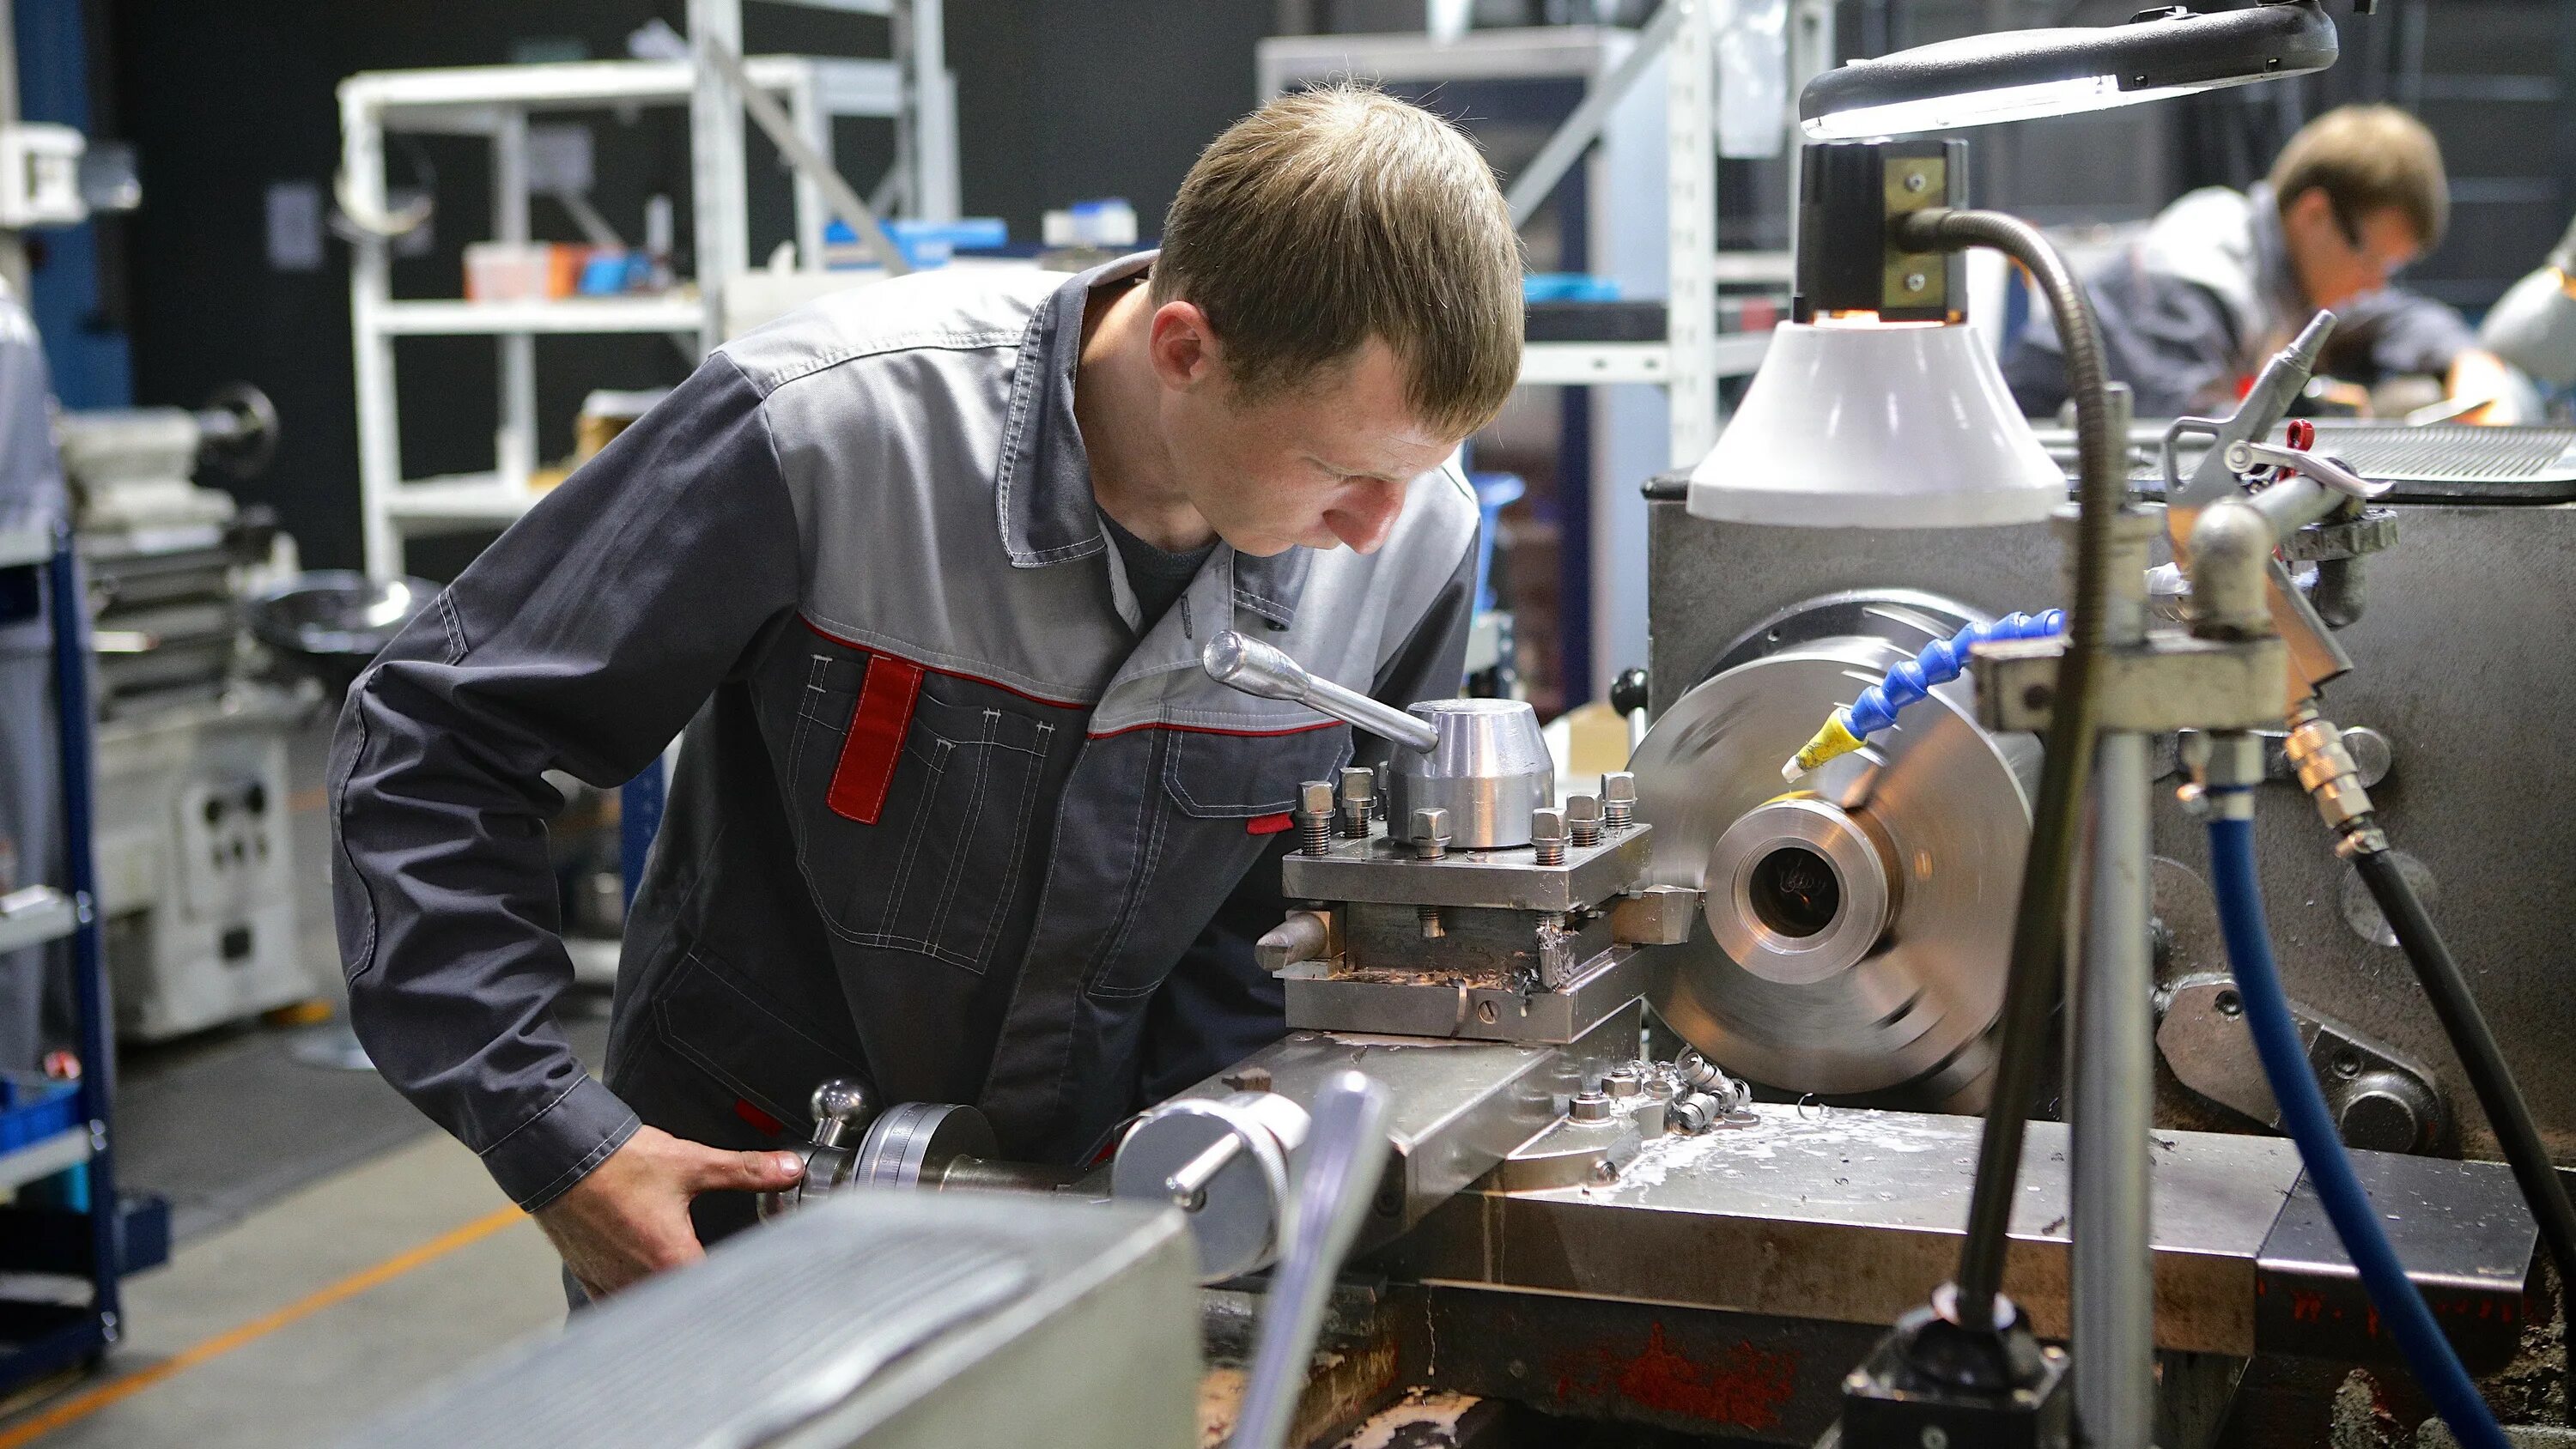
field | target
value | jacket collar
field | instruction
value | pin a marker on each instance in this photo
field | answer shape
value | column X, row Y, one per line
column 1043, row 499
column 2273, row 273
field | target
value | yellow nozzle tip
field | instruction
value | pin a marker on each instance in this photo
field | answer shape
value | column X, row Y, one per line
column 1831, row 741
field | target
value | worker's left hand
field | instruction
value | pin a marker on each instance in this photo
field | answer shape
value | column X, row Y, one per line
column 629, row 1218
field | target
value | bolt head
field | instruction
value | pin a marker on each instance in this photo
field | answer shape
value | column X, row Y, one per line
column 1582, row 807
column 1315, row 797
column 1619, row 785
column 1916, row 281
column 1547, row 824
column 1916, row 181
column 1430, row 823
column 1358, row 782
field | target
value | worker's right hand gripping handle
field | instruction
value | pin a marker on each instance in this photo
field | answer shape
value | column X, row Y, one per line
column 1345, row 1151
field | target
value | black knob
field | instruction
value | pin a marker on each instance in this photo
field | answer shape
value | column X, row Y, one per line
column 1628, row 691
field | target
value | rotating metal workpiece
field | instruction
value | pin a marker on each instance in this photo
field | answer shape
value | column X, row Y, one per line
column 1855, row 929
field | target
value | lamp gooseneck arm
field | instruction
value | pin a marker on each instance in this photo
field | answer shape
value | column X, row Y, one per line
column 2039, row 922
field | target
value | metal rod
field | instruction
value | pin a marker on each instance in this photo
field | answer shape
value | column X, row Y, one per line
column 64, row 601
column 1188, row 1182
column 1258, row 669
column 774, row 123
column 2110, row 1080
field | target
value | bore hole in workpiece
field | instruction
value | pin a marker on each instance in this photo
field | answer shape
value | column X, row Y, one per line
column 1794, row 891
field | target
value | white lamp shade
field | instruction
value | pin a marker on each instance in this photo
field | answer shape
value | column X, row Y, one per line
column 1877, row 425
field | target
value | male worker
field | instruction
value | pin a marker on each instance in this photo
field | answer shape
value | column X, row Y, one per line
column 926, row 572
column 2222, row 279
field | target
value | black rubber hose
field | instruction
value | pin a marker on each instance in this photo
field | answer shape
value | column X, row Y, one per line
column 2039, row 921
column 2489, row 1077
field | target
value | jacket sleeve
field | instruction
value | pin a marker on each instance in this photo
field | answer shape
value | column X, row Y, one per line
column 2169, row 339
column 581, row 641
column 2396, row 333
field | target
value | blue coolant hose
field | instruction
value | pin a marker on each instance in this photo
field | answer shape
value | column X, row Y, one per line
column 2303, row 1115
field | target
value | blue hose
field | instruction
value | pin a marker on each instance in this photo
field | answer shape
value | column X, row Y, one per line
column 1909, row 682
column 2303, row 1115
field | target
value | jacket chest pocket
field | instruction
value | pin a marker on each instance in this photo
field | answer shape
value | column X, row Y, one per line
column 912, row 797
column 1226, row 799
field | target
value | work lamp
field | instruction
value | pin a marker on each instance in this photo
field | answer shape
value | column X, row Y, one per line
column 2020, row 74
column 1876, row 407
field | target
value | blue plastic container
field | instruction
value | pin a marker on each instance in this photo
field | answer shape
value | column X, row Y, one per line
column 34, row 1108
column 1494, row 492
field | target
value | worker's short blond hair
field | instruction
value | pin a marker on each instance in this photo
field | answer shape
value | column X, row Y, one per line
column 2368, row 159
column 1332, row 216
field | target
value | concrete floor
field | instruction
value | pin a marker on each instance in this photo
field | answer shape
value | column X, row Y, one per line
column 320, row 1374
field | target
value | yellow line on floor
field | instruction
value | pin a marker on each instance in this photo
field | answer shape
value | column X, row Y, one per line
column 81, row 1406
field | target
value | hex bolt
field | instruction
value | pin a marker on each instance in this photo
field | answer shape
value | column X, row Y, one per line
column 1314, row 816
column 1358, row 801
column 1430, row 834
column 1619, row 800
column 1589, row 1106
column 1547, row 836
column 1583, row 819
column 1623, row 1082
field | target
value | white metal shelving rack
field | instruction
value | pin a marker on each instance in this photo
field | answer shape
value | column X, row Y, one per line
column 913, row 89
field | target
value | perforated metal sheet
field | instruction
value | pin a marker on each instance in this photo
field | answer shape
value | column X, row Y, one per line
column 2454, row 452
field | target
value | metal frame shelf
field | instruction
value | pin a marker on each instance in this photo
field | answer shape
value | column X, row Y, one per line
column 97, row 1236
column 912, row 89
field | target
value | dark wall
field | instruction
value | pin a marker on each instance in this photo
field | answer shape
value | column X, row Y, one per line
column 1056, row 102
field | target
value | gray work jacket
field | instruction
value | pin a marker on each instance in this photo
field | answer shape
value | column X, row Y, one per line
column 942, row 818
column 2205, row 298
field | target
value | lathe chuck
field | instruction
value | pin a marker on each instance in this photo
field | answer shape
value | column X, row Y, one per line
column 1857, row 923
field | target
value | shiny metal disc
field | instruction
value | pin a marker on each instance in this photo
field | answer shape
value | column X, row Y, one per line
column 1869, row 910
column 914, row 1142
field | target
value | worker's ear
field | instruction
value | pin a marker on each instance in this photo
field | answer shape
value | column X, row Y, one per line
column 1185, row 350
column 2307, row 210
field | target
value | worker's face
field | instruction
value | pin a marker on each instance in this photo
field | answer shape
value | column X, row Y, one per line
column 2337, row 260
column 1321, row 464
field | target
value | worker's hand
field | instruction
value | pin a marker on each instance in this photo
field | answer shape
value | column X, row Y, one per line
column 629, row 1218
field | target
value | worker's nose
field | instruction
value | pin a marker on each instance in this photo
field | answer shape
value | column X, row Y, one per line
column 1364, row 521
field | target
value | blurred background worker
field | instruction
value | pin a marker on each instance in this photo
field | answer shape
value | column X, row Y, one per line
column 2223, row 278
